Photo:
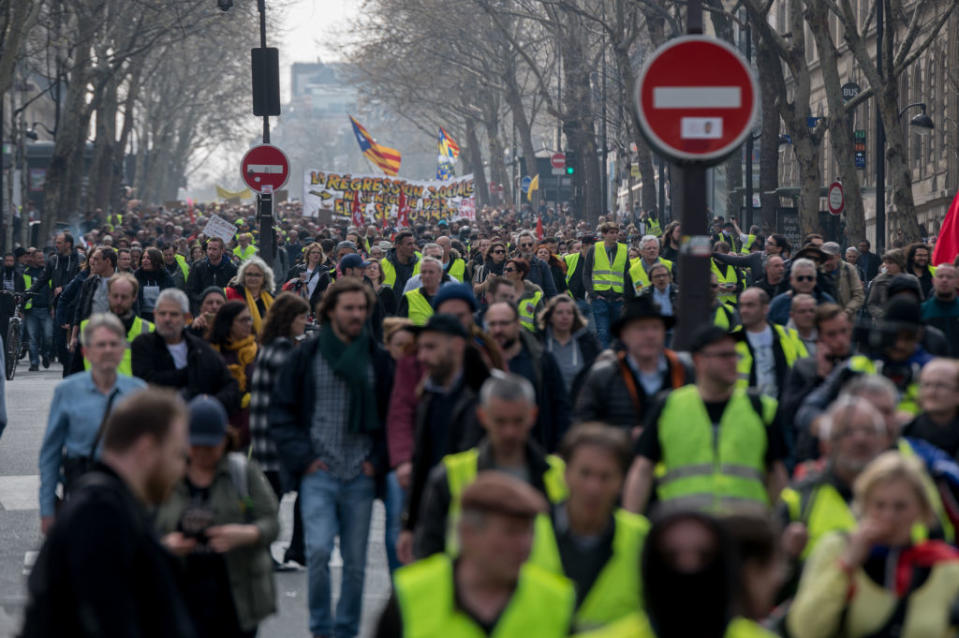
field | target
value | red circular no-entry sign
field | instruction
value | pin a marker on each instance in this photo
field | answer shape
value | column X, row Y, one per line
column 697, row 99
column 837, row 198
column 265, row 168
column 558, row 160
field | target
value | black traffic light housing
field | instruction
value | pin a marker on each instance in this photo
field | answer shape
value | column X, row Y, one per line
column 225, row 5
column 570, row 162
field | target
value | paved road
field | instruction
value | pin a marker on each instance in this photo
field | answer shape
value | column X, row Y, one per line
column 28, row 401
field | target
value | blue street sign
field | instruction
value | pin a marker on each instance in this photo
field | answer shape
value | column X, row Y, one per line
column 525, row 183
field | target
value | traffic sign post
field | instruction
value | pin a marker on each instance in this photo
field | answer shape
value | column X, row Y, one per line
column 696, row 102
column 265, row 169
column 557, row 162
column 837, row 198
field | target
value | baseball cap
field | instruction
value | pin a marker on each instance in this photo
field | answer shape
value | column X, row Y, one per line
column 831, row 248
column 208, row 420
column 353, row 260
column 455, row 291
column 706, row 335
column 443, row 324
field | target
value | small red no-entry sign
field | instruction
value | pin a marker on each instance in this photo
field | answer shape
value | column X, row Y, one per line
column 697, row 99
column 265, row 168
column 837, row 198
column 558, row 160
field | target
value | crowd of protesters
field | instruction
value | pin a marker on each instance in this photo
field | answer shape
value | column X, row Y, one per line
column 506, row 386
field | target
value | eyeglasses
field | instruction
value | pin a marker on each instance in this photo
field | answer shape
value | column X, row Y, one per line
column 805, row 278
column 499, row 252
column 526, row 245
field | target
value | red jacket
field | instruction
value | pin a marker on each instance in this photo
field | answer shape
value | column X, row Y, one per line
column 401, row 417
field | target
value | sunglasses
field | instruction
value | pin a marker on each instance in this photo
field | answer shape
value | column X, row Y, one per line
column 805, row 278
column 498, row 252
column 509, row 270
column 526, row 245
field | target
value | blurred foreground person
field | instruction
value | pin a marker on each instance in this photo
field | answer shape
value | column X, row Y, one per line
column 488, row 590
column 875, row 581
column 221, row 519
column 102, row 572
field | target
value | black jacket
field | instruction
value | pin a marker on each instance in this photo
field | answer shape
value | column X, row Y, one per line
column 205, row 372
column 160, row 278
column 102, row 572
column 204, row 274
column 430, row 537
column 58, row 271
column 589, row 348
column 85, row 299
column 294, row 399
column 463, row 432
column 551, row 395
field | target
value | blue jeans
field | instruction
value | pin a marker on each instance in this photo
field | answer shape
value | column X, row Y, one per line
column 40, row 325
column 393, row 501
column 332, row 507
column 587, row 310
column 605, row 313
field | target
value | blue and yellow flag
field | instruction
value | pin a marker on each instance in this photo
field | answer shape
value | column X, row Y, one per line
column 448, row 147
column 387, row 159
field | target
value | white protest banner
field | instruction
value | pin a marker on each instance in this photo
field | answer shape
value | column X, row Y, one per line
column 425, row 199
column 219, row 227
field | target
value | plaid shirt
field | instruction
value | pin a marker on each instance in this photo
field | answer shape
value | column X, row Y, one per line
column 268, row 362
column 341, row 450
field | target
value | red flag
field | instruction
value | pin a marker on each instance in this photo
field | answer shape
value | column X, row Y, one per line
column 357, row 211
column 402, row 211
column 539, row 227
column 947, row 244
column 189, row 209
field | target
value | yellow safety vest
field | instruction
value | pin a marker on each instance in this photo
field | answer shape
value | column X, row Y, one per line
column 28, row 283
column 749, row 242
column 606, row 276
column 139, row 327
column 461, row 470
column 653, row 227
column 527, row 310
column 184, row 267
column 244, row 254
column 788, row 339
column 420, row 309
column 572, row 260
column 458, row 270
column 637, row 625
column 723, row 315
column 617, row 590
column 707, row 471
column 637, row 272
column 730, row 276
column 389, row 271
column 541, row 605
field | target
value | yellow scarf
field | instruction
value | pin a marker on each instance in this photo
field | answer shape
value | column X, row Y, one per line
column 245, row 354
column 255, row 311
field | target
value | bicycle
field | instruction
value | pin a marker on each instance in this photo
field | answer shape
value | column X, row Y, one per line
column 13, row 344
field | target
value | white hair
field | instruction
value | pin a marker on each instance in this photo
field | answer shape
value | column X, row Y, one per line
column 174, row 295
column 269, row 284
column 646, row 239
column 803, row 262
column 431, row 260
column 507, row 386
column 106, row 320
column 843, row 410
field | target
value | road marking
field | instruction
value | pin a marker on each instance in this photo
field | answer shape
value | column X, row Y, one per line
column 697, row 97
column 19, row 493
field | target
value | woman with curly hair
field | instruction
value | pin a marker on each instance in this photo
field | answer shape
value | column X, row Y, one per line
column 232, row 336
column 253, row 285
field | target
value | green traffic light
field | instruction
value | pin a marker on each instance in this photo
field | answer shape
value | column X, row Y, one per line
column 570, row 170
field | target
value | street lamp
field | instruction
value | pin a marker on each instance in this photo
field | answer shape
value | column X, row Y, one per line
column 923, row 125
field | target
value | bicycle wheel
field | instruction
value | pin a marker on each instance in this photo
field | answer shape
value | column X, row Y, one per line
column 12, row 348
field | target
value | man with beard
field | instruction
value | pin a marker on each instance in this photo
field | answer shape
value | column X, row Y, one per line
column 102, row 570
column 941, row 309
column 327, row 413
column 122, row 293
column 173, row 357
column 917, row 263
column 852, row 434
column 526, row 356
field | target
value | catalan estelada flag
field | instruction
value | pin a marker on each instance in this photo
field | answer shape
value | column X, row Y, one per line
column 447, row 146
column 387, row 159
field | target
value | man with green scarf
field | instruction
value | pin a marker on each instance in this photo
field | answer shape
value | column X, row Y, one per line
column 327, row 415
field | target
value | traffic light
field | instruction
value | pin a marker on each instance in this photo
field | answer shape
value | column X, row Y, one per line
column 225, row 5
column 570, row 162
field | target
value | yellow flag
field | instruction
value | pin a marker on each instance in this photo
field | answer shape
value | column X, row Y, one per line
column 533, row 185
column 223, row 193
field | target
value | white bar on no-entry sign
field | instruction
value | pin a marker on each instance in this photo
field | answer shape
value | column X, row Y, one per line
column 265, row 168
column 697, row 97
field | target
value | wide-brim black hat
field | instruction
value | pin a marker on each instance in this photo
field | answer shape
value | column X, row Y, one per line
column 640, row 308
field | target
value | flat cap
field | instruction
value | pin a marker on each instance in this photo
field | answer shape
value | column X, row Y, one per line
column 500, row 493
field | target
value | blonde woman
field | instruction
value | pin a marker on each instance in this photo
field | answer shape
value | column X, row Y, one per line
column 253, row 285
column 878, row 580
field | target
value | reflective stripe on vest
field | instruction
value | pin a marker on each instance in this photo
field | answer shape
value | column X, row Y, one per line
column 708, row 470
column 137, row 328
column 419, row 308
column 730, row 276
column 606, row 276
column 617, row 589
column 461, row 469
column 572, row 260
column 458, row 270
column 636, row 625
column 527, row 310
column 637, row 272
column 541, row 605
column 389, row 271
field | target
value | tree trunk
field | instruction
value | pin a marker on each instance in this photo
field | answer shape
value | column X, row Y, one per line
column 768, row 64
column 810, row 179
column 475, row 158
column 588, row 198
column 902, row 216
column 104, row 147
column 644, row 158
column 521, row 122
